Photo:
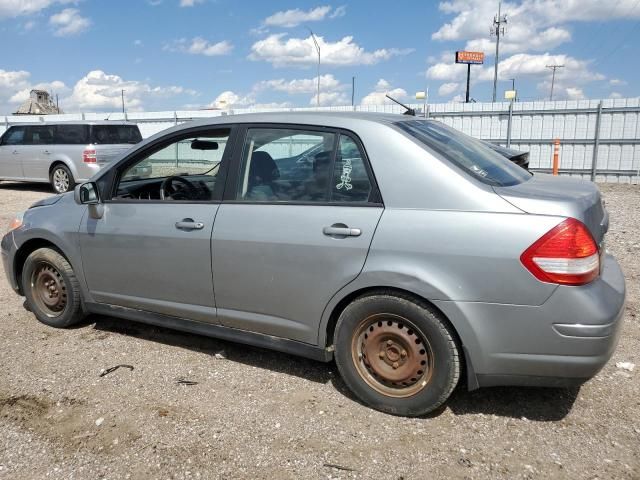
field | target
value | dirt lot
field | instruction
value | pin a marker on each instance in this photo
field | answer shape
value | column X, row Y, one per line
column 260, row 414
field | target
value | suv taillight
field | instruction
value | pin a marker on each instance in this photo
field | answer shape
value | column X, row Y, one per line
column 89, row 156
column 567, row 254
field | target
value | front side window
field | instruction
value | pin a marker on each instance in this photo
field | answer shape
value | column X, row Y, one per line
column 14, row 136
column 465, row 152
column 186, row 170
column 286, row 165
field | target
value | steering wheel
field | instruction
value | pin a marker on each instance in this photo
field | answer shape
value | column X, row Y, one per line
column 168, row 190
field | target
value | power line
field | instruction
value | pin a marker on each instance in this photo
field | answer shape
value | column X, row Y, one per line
column 553, row 77
column 497, row 29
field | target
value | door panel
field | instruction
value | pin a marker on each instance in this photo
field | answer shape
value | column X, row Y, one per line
column 38, row 152
column 275, row 269
column 136, row 256
column 10, row 163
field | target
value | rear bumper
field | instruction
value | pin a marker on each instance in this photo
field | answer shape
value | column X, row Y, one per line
column 565, row 341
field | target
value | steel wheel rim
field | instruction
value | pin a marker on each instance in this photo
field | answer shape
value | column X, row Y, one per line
column 60, row 180
column 49, row 289
column 392, row 356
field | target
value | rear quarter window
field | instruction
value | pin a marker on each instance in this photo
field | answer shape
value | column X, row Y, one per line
column 115, row 134
column 72, row 134
column 465, row 152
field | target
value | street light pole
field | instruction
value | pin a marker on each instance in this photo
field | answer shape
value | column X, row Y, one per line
column 122, row 93
column 318, row 50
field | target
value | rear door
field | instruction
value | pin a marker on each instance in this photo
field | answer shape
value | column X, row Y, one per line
column 10, row 153
column 293, row 229
column 38, row 152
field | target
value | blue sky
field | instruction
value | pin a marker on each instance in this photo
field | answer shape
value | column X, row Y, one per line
column 190, row 54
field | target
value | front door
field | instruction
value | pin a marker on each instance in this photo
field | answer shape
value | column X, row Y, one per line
column 10, row 153
column 151, row 249
column 297, row 228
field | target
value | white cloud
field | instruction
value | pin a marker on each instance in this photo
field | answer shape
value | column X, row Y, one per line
column 521, row 65
column 137, row 43
column 574, row 93
column 101, row 91
column 281, row 51
column 304, row 85
column 190, row 3
column 16, row 85
column 378, row 95
column 229, row 99
column 614, row 82
column 16, row 8
column 447, row 89
column 340, row 11
column 330, row 98
column 69, row 22
column 615, row 95
column 294, row 17
column 200, row 46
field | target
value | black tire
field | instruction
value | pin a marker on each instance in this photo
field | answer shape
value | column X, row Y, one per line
column 392, row 323
column 61, row 178
column 51, row 289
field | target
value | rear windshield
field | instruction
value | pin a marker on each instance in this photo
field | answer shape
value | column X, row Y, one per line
column 115, row 134
column 465, row 152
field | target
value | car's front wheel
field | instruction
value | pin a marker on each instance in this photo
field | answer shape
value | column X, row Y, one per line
column 51, row 288
column 396, row 354
column 61, row 179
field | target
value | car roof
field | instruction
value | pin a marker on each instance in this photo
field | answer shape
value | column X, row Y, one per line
column 72, row 122
column 305, row 118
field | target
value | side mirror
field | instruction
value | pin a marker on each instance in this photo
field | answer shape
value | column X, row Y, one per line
column 86, row 194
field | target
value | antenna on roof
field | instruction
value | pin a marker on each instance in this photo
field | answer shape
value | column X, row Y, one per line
column 410, row 111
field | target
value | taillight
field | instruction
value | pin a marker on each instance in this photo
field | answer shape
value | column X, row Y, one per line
column 89, row 156
column 567, row 254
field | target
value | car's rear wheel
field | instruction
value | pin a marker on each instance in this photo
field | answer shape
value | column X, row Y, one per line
column 51, row 288
column 61, row 178
column 396, row 354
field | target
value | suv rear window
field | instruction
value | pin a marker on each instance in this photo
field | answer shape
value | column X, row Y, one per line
column 115, row 134
column 465, row 152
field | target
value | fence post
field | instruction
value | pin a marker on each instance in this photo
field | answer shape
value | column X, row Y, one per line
column 509, row 124
column 596, row 144
column 556, row 153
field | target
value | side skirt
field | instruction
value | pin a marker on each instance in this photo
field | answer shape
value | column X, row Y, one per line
column 211, row 330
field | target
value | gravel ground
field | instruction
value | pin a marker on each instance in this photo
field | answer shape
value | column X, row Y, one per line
column 260, row 414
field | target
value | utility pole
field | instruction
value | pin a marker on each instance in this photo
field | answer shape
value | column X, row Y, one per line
column 57, row 104
column 553, row 77
column 122, row 92
column 497, row 29
column 353, row 89
column 318, row 50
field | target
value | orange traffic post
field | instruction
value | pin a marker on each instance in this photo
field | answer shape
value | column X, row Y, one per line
column 556, row 153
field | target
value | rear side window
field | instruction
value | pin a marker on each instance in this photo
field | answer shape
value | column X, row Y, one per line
column 350, row 179
column 40, row 135
column 72, row 134
column 115, row 134
column 14, row 136
column 465, row 152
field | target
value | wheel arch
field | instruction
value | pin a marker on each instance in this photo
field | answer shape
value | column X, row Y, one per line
column 26, row 249
column 467, row 373
column 66, row 163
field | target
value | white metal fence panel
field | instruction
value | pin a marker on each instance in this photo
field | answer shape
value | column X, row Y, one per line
column 611, row 127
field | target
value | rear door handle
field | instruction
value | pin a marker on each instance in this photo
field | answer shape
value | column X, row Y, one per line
column 189, row 224
column 47, row 152
column 341, row 231
column 16, row 152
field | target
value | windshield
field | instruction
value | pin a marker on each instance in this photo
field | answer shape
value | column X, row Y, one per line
column 465, row 152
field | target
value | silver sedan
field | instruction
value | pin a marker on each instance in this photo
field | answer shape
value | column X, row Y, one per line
column 414, row 256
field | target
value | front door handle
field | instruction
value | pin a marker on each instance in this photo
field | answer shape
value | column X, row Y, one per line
column 189, row 224
column 47, row 152
column 16, row 152
column 341, row 230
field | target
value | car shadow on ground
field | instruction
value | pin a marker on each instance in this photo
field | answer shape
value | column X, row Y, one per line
column 27, row 187
column 535, row 404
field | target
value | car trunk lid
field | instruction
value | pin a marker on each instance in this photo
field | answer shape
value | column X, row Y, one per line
column 562, row 196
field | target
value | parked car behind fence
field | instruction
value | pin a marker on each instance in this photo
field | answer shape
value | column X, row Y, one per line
column 64, row 153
